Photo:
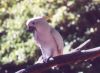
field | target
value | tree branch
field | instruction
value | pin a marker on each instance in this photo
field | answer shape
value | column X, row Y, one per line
column 70, row 58
column 81, row 46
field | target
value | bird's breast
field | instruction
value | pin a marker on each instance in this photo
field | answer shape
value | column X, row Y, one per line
column 46, row 40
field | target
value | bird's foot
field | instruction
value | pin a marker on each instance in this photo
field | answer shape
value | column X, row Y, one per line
column 50, row 59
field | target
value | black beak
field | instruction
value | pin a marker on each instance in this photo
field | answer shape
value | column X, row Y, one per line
column 30, row 29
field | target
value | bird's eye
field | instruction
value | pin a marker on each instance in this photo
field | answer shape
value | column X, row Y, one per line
column 33, row 22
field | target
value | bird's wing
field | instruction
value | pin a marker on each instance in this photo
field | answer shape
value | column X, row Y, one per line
column 58, row 39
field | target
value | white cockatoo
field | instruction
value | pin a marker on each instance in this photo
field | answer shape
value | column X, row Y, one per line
column 47, row 38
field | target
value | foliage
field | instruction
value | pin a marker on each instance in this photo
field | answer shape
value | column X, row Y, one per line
column 76, row 20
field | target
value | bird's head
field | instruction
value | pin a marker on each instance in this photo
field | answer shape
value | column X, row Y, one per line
column 33, row 23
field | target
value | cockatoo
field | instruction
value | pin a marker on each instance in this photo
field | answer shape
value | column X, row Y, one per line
column 46, row 38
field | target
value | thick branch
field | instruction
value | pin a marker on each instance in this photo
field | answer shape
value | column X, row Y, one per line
column 70, row 58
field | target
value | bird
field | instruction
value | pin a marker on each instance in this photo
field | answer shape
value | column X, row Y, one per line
column 48, row 39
